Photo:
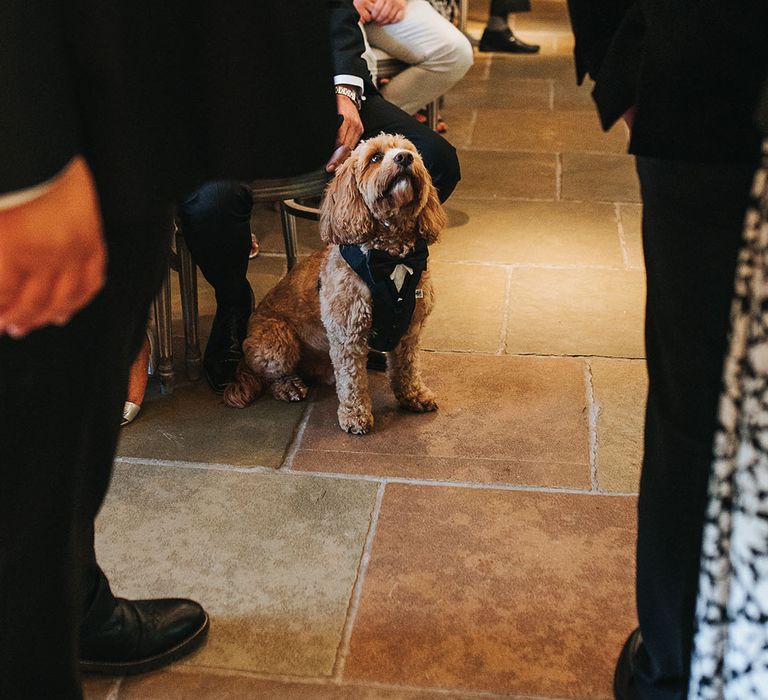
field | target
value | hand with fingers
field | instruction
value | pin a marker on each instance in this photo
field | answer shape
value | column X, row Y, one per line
column 349, row 133
column 363, row 8
column 52, row 254
column 387, row 11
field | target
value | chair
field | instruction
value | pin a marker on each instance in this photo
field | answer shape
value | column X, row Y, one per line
column 287, row 190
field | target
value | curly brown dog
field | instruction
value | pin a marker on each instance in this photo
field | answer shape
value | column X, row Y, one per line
column 377, row 217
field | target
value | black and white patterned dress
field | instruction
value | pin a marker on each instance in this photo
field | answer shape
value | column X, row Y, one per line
column 730, row 659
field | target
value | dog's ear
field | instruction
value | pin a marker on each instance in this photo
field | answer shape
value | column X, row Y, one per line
column 344, row 218
column 432, row 219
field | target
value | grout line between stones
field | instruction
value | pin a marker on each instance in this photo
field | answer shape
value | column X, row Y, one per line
column 558, row 177
column 471, row 128
column 357, row 590
column 593, row 413
column 552, row 95
column 622, row 236
column 505, row 316
column 329, row 681
column 297, row 437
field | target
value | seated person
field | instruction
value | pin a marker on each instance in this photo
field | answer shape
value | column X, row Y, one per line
column 215, row 218
column 412, row 31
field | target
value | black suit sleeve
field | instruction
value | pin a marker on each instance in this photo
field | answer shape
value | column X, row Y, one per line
column 37, row 118
column 609, row 41
column 347, row 45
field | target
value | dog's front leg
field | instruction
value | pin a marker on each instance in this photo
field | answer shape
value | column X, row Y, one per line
column 404, row 372
column 349, row 356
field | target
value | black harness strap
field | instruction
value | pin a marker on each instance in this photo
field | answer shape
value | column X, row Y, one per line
column 392, row 310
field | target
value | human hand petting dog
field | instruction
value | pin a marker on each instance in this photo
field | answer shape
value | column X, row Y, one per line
column 52, row 254
column 349, row 133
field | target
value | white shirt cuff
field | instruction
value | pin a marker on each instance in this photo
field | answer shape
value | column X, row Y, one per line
column 19, row 197
column 350, row 80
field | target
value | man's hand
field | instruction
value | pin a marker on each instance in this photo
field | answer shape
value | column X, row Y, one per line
column 52, row 254
column 388, row 11
column 363, row 8
column 349, row 133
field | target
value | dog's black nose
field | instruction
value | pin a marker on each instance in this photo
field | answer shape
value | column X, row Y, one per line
column 404, row 158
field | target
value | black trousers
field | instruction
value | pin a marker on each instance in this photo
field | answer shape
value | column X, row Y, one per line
column 61, row 395
column 216, row 217
column 693, row 217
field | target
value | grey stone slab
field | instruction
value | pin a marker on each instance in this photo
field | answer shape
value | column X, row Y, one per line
column 632, row 225
column 272, row 558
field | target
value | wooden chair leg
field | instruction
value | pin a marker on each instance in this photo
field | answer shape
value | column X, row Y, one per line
column 432, row 112
column 162, row 308
column 189, row 307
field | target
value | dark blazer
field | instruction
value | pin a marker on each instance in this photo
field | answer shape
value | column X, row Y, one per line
column 347, row 43
column 692, row 68
column 160, row 96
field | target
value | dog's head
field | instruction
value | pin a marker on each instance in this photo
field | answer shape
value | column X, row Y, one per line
column 382, row 191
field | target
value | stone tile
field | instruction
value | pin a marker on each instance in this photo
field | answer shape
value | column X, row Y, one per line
column 508, row 94
column 519, row 420
column 577, row 312
column 600, row 177
column 470, row 298
column 95, row 688
column 545, row 132
column 461, row 124
column 545, row 15
column 509, row 592
column 632, row 223
column 208, row 686
column 272, row 557
column 500, row 175
column 620, row 389
column 193, row 425
column 530, row 233
column 573, row 97
column 542, row 67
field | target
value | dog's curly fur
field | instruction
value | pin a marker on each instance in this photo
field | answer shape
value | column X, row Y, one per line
column 315, row 323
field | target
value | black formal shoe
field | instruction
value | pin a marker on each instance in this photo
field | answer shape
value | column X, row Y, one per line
column 377, row 361
column 143, row 635
column 225, row 344
column 623, row 683
column 505, row 41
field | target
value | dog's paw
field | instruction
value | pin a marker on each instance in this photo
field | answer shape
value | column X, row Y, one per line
column 289, row 389
column 355, row 420
column 423, row 401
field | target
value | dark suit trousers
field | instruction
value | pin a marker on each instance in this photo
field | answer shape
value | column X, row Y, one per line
column 61, row 394
column 692, row 225
column 215, row 218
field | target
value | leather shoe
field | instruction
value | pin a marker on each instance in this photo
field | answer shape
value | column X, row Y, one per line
column 623, row 677
column 143, row 635
column 505, row 41
column 225, row 344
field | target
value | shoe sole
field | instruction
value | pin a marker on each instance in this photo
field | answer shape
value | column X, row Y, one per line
column 152, row 663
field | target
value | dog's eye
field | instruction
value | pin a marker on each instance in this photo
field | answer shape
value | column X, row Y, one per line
column 377, row 157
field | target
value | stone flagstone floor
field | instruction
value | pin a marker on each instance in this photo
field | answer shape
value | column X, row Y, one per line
column 485, row 551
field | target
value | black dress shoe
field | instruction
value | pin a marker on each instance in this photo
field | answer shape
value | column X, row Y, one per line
column 623, row 677
column 225, row 344
column 505, row 41
column 143, row 635
column 377, row 361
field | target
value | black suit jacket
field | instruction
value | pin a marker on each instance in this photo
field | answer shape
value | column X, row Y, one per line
column 347, row 43
column 693, row 69
column 160, row 96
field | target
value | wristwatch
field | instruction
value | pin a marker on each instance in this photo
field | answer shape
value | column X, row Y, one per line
column 351, row 93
